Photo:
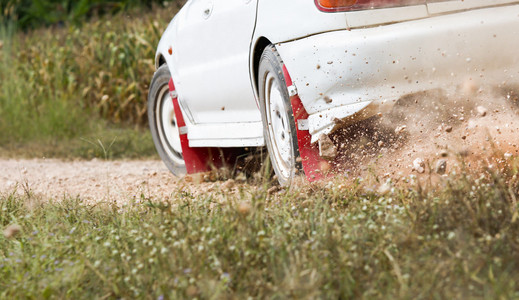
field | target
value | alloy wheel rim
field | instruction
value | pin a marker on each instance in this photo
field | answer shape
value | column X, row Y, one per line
column 278, row 127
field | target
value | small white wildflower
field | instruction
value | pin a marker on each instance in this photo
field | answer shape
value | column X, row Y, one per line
column 200, row 248
column 134, row 271
column 451, row 235
column 115, row 252
column 331, row 220
column 261, row 233
column 97, row 263
column 127, row 279
column 140, row 266
column 164, row 250
column 106, row 244
column 176, row 244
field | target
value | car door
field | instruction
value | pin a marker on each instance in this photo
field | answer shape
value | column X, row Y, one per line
column 212, row 61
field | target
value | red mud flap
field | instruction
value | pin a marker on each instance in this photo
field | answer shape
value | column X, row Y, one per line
column 200, row 159
column 315, row 167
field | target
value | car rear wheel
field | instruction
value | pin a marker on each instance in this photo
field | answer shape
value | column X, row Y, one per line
column 163, row 122
column 278, row 119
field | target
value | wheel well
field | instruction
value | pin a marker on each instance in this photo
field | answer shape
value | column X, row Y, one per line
column 160, row 61
column 261, row 44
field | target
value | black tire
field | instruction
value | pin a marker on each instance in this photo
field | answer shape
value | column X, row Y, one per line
column 278, row 119
column 164, row 129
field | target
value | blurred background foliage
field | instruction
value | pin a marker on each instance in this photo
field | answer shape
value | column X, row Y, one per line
column 34, row 13
column 71, row 70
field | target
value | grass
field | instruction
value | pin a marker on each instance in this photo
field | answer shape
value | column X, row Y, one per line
column 333, row 240
column 119, row 143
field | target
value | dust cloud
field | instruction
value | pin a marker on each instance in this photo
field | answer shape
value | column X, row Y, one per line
column 431, row 132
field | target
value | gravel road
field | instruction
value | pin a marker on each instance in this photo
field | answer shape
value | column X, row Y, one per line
column 94, row 180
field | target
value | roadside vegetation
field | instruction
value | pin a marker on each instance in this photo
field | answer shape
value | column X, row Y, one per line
column 457, row 239
column 69, row 83
column 30, row 14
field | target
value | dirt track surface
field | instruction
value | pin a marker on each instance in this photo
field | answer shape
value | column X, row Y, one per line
column 94, row 180
column 426, row 135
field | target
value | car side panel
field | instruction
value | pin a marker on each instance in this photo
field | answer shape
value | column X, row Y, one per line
column 210, row 60
column 281, row 21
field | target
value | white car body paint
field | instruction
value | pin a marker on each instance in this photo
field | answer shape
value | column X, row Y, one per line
column 362, row 60
column 378, row 65
column 209, row 66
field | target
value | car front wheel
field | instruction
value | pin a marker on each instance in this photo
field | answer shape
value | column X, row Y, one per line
column 278, row 119
column 163, row 122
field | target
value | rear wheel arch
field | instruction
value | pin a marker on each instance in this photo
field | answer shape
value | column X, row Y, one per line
column 159, row 61
column 259, row 47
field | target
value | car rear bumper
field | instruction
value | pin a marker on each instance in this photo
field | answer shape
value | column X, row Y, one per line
column 339, row 74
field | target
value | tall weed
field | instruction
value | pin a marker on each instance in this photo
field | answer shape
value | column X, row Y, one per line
column 57, row 82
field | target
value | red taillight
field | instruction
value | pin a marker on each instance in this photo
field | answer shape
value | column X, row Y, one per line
column 350, row 5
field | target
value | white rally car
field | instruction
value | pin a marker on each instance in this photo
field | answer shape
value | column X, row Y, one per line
column 281, row 73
